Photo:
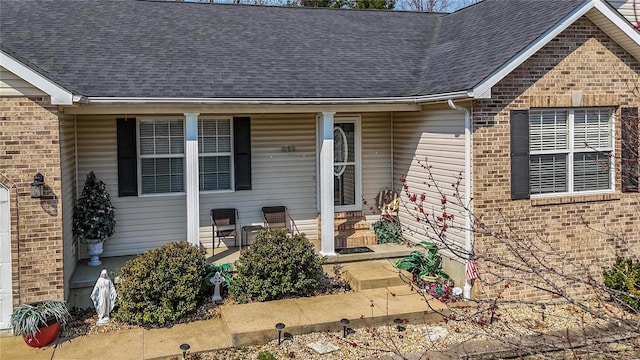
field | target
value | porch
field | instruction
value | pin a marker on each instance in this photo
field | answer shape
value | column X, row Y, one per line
column 85, row 276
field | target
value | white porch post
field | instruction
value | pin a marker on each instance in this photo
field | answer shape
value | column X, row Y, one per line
column 191, row 183
column 327, row 247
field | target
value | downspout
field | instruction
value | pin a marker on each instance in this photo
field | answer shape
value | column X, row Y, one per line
column 467, row 191
column 392, row 154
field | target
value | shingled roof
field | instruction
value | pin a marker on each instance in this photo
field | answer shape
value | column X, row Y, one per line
column 107, row 48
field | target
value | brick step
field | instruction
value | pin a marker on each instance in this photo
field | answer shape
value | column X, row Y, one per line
column 352, row 225
column 356, row 239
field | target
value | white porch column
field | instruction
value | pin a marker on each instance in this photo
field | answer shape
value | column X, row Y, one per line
column 191, row 182
column 327, row 247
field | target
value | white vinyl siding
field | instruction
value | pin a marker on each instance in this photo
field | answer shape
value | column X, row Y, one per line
column 625, row 7
column 161, row 155
column 215, row 148
column 376, row 158
column 278, row 178
column 436, row 134
column 68, row 172
column 143, row 223
column 570, row 151
column 12, row 85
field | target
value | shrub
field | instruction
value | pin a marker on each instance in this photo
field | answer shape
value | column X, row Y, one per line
column 161, row 285
column 624, row 277
column 388, row 232
column 277, row 266
column 265, row 355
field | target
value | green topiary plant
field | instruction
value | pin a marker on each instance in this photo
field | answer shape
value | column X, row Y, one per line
column 277, row 266
column 624, row 278
column 162, row 284
column 388, row 232
column 419, row 264
column 94, row 218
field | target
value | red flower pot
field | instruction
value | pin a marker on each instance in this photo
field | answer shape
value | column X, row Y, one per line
column 44, row 337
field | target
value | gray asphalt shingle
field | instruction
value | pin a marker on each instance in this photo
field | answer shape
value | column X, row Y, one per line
column 165, row 49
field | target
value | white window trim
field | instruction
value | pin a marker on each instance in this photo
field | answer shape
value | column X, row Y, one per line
column 230, row 154
column 139, row 166
column 571, row 151
column 357, row 121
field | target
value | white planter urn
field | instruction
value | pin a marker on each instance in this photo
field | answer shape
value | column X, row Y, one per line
column 94, row 249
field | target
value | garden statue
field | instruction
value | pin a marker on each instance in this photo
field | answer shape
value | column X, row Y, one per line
column 104, row 297
column 216, row 280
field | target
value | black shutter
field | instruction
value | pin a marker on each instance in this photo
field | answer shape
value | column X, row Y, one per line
column 629, row 125
column 519, row 154
column 242, row 152
column 127, row 157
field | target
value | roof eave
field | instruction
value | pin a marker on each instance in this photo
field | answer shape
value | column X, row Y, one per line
column 423, row 99
column 59, row 95
column 484, row 87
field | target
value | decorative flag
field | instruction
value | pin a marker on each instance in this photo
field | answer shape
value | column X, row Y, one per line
column 471, row 270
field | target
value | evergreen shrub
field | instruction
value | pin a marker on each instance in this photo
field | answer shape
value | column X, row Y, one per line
column 277, row 266
column 161, row 285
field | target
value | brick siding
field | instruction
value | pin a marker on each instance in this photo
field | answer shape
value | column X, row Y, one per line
column 29, row 137
column 580, row 67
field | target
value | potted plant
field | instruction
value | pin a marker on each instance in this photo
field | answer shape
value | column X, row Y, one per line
column 426, row 267
column 94, row 218
column 39, row 323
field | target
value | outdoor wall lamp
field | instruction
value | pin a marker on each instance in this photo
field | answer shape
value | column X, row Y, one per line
column 37, row 186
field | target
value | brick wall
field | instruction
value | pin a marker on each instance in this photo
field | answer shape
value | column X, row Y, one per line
column 581, row 67
column 29, row 139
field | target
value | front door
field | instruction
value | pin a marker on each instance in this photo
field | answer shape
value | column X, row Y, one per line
column 347, row 194
column 5, row 259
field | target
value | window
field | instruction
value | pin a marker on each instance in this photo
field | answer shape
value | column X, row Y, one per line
column 570, row 151
column 161, row 152
column 215, row 154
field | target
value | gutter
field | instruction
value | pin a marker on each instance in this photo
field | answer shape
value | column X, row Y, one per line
column 279, row 101
column 468, row 236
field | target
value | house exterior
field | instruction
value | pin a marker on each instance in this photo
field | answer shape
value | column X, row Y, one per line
column 181, row 108
column 630, row 9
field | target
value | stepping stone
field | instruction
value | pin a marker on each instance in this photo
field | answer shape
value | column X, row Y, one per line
column 435, row 333
column 322, row 347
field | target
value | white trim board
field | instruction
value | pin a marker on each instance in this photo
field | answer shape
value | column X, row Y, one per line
column 59, row 95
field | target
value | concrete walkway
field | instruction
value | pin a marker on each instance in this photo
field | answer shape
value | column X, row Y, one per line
column 240, row 325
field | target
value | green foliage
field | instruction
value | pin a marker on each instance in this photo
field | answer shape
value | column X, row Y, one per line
column 223, row 269
column 265, row 355
column 277, row 266
column 162, row 284
column 388, row 232
column 624, row 278
column 94, row 217
column 28, row 319
column 351, row 4
column 419, row 264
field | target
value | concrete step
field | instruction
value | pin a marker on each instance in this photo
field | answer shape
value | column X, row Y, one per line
column 373, row 274
column 254, row 323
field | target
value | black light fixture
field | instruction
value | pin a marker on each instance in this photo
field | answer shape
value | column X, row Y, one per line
column 184, row 348
column 37, row 186
column 345, row 323
column 399, row 323
column 279, row 326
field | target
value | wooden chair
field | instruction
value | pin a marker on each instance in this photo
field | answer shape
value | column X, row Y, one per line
column 224, row 223
column 277, row 217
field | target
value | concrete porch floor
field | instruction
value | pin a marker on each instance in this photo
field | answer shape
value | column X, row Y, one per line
column 85, row 276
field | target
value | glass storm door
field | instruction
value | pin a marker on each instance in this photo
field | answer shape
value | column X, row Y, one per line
column 346, row 165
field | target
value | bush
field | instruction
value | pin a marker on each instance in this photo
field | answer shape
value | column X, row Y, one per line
column 277, row 266
column 388, row 232
column 161, row 285
column 624, row 277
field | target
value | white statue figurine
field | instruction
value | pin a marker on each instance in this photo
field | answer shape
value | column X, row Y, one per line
column 103, row 297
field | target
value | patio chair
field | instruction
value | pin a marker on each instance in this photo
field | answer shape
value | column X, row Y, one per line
column 277, row 217
column 388, row 203
column 224, row 223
